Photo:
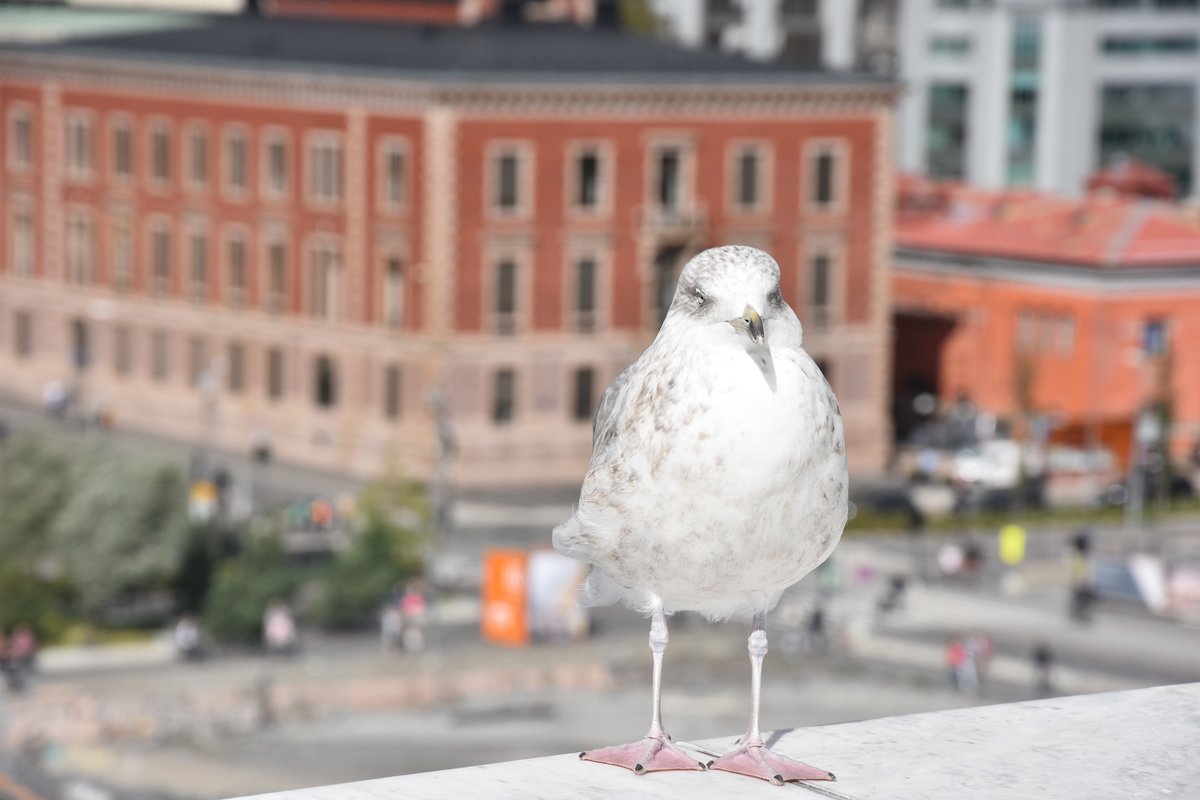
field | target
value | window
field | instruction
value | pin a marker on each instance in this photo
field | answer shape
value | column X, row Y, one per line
column 587, row 180
column 584, row 385
column 275, row 165
column 824, row 188
column 81, row 349
column 20, row 139
column 276, row 276
column 1152, row 122
column 503, row 396
column 949, row 46
column 819, row 290
column 123, row 350
column 122, row 254
column 160, row 258
column 1023, row 99
column 946, row 131
column 393, row 292
column 236, row 380
column 666, row 275
column 22, row 241
column 507, row 179
column 668, row 178
column 393, row 171
column 1154, row 337
column 324, row 281
column 79, row 145
column 160, row 153
column 1066, row 337
column 235, row 256
column 325, row 169
column 197, row 360
column 324, row 382
column 391, row 392
column 23, row 338
column 585, row 294
column 197, row 147
column 274, row 374
column 79, row 248
column 122, row 149
column 236, row 168
column 1161, row 45
column 160, row 364
column 506, row 297
column 747, row 178
column 198, row 253
column 1026, row 331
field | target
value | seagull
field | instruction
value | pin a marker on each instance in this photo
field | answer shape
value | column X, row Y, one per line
column 717, row 480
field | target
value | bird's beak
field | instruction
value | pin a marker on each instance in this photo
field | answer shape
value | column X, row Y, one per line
column 750, row 324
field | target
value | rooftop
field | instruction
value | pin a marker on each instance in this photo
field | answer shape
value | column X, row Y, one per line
column 1102, row 230
column 1138, row 743
column 487, row 52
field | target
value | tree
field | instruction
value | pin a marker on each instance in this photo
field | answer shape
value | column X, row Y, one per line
column 123, row 528
column 385, row 552
column 35, row 481
column 244, row 585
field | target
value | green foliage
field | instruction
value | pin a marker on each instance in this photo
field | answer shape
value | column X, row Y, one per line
column 122, row 528
column 30, row 600
column 35, row 481
column 244, row 585
column 383, row 554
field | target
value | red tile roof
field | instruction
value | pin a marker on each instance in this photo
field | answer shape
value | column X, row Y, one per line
column 1101, row 230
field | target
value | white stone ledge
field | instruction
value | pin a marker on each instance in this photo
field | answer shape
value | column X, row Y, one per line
column 1122, row 745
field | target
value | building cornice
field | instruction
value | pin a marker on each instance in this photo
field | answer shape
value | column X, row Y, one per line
column 1047, row 274
column 313, row 86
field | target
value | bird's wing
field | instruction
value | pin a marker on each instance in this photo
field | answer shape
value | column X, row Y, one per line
column 605, row 422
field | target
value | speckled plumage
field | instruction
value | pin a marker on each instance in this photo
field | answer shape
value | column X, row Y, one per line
column 718, row 470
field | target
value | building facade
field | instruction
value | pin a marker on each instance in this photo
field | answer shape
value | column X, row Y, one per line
column 1042, row 94
column 1079, row 314
column 226, row 250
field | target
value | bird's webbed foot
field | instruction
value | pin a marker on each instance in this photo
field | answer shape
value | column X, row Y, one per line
column 759, row 762
column 651, row 754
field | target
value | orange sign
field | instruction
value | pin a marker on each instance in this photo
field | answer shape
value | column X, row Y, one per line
column 504, row 597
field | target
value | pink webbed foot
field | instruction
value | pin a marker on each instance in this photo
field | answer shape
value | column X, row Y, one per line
column 651, row 754
column 759, row 762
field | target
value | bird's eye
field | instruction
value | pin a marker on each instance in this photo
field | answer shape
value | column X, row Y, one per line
column 701, row 297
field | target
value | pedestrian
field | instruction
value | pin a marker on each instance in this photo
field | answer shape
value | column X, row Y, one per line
column 818, row 640
column 412, row 608
column 1043, row 659
column 23, row 647
column 187, row 638
column 279, row 628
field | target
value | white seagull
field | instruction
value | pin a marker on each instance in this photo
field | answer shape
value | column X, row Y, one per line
column 717, row 480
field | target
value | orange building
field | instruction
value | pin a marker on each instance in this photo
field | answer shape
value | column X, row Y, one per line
column 239, row 229
column 1080, row 312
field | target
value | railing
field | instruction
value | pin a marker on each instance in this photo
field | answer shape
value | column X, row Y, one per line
column 1140, row 743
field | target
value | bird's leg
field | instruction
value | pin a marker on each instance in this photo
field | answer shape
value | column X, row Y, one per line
column 655, row 752
column 751, row 757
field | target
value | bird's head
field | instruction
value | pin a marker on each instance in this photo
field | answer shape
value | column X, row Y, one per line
column 737, row 287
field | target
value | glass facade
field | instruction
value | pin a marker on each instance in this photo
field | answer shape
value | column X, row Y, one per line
column 945, row 146
column 1023, row 100
column 1152, row 122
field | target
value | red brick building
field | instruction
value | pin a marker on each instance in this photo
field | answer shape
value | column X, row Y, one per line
column 337, row 218
column 1081, row 311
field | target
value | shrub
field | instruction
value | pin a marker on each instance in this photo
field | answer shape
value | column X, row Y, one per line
column 244, row 585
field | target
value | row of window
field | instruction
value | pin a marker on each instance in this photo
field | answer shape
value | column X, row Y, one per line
column 509, row 178
column 324, row 166
column 671, row 177
column 324, row 263
column 229, row 370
